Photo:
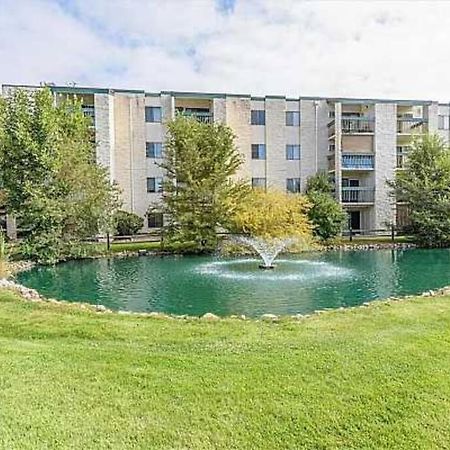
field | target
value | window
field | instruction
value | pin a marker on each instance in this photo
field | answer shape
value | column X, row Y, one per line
column 259, row 183
column 154, row 184
column 292, row 118
column 293, row 185
column 443, row 122
column 258, row 151
column 258, row 117
column 402, row 154
column 331, row 114
column 154, row 149
column 155, row 220
column 292, row 152
column 332, row 148
column 152, row 114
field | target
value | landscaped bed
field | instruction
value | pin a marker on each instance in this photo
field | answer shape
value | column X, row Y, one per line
column 372, row 377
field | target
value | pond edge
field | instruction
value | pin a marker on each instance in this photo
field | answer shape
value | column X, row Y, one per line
column 32, row 295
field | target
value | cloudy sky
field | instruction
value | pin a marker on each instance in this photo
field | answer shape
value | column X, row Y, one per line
column 285, row 47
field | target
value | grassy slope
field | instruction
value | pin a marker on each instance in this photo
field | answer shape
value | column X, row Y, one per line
column 372, row 378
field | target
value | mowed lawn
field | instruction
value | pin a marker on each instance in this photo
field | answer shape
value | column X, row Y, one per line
column 366, row 378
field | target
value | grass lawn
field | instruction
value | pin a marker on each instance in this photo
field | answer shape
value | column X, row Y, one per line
column 363, row 240
column 366, row 378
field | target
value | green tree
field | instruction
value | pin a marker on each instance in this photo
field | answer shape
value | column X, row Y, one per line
column 425, row 187
column 128, row 223
column 326, row 214
column 50, row 179
column 200, row 193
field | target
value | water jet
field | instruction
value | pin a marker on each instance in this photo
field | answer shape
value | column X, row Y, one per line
column 267, row 249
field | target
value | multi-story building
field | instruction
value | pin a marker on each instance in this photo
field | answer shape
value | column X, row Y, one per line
column 360, row 142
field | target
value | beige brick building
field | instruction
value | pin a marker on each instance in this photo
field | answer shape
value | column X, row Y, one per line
column 360, row 142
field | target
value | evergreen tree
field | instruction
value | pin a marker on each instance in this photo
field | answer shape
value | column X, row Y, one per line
column 200, row 191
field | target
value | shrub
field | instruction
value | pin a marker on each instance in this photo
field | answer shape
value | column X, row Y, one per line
column 274, row 214
column 128, row 223
column 326, row 214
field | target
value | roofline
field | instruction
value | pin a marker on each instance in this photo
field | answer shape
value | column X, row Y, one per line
column 211, row 95
column 75, row 89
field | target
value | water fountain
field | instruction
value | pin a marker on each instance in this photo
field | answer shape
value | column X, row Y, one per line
column 268, row 250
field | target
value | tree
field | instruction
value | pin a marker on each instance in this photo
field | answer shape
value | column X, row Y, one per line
column 273, row 214
column 128, row 223
column 326, row 214
column 320, row 182
column 200, row 193
column 424, row 186
column 50, row 179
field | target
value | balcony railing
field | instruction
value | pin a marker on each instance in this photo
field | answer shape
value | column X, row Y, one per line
column 331, row 128
column 89, row 111
column 331, row 162
column 358, row 125
column 358, row 162
column 410, row 125
column 402, row 155
column 358, row 195
column 201, row 117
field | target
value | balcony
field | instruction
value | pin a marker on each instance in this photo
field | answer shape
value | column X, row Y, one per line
column 201, row 114
column 410, row 125
column 331, row 128
column 402, row 155
column 358, row 162
column 89, row 111
column 201, row 117
column 357, row 125
column 358, row 195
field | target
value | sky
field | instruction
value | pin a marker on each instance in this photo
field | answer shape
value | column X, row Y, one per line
column 387, row 49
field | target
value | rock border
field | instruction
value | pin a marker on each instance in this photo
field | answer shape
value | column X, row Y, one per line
column 33, row 295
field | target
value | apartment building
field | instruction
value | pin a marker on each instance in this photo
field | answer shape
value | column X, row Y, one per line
column 360, row 142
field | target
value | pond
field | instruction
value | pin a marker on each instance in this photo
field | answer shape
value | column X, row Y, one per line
column 195, row 285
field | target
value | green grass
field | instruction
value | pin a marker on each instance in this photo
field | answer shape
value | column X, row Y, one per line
column 366, row 378
column 363, row 240
column 118, row 247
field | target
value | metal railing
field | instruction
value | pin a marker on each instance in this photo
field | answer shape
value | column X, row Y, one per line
column 358, row 161
column 331, row 162
column 201, row 117
column 391, row 232
column 402, row 155
column 412, row 125
column 331, row 128
column 89, row 111
column 358, row 194
column 358, row 125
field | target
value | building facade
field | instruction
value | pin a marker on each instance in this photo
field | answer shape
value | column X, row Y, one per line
column 361, row 143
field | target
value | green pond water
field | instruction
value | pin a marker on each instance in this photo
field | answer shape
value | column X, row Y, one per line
column 195, row 285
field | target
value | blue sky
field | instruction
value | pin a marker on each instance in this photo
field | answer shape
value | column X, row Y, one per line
column 287, row 47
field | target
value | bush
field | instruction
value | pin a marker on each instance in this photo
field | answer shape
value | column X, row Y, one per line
column 128, row 223
column 326, row 214
column 274, row 214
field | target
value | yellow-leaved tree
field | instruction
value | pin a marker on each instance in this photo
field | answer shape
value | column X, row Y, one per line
column 274, row 214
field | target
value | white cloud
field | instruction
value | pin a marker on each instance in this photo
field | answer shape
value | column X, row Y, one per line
column 329, row 48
